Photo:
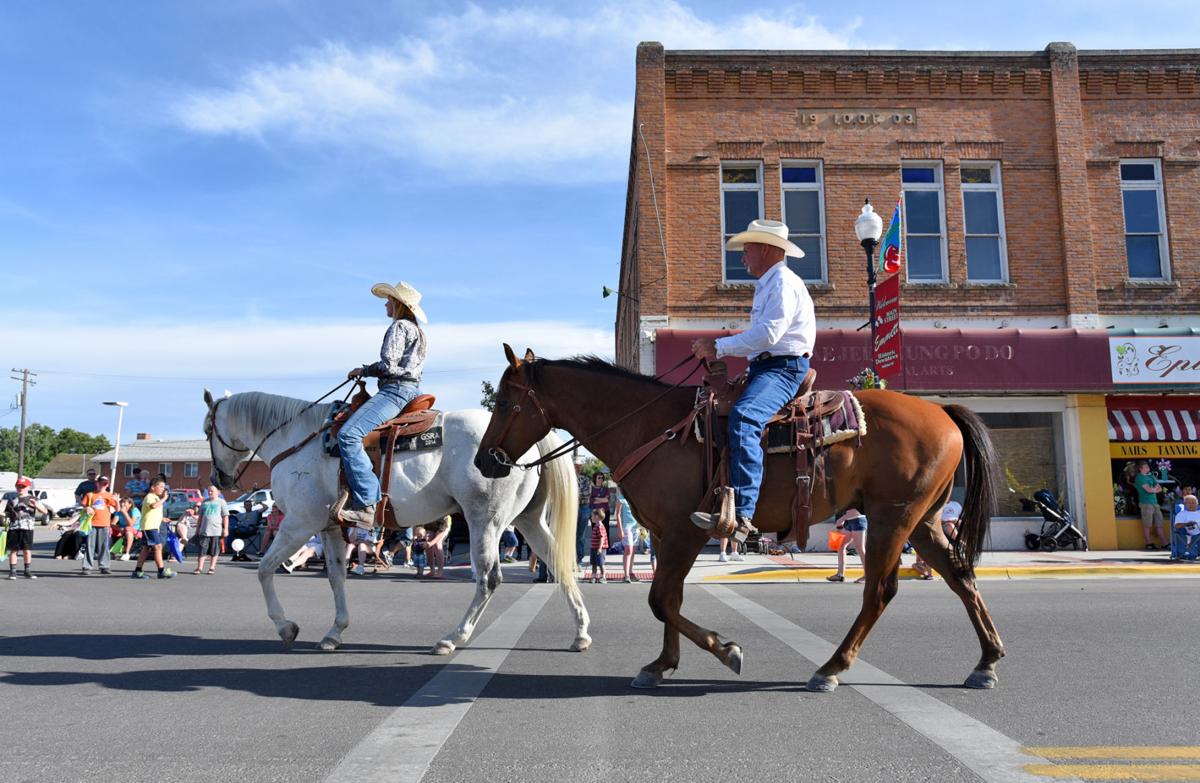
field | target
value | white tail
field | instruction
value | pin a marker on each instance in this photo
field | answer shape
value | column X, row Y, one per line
column 563, row 504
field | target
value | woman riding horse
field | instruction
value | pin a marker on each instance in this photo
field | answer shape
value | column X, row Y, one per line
column 401, row 360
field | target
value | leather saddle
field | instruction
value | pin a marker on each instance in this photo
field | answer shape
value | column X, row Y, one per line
column 417, row 418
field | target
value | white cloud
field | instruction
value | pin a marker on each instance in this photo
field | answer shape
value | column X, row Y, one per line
column 504, row 93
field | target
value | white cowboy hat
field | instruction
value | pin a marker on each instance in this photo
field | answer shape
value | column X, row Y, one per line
column 404, row 293
column 766, row 232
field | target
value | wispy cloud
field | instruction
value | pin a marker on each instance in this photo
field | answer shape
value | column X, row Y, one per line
column 515, row 93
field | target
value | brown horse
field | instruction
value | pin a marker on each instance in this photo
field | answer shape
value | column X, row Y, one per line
column 900, row 477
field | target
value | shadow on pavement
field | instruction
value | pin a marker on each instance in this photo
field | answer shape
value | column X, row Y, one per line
column 107, row 647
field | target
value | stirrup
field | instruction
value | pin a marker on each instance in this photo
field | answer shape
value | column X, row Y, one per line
column 335, row 511
column 704, row 520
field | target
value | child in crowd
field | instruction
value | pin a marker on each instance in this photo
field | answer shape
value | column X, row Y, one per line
column 362, row 541
column 152, row 517
column 435, row 547
column 599, row 545
column 419, row 543
column 19, row 514
column 127, row 520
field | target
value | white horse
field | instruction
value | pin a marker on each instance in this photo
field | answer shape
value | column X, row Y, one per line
column 425, row 486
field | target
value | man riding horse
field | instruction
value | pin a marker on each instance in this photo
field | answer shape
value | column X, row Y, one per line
column 779, row 343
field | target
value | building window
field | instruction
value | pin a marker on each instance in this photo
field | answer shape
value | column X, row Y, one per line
column 983, row 222
column 924, row 221
column 164, row 469
column 191, row 469
column 741, row 202
column 130, row 469
column 1145, row 219
column 804, row 213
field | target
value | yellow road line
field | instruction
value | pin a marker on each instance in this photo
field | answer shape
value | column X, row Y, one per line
column 1146, row 773
column 1158, row 752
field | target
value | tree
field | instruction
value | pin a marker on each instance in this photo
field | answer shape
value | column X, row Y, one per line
column 488, row 400
column 43, row 444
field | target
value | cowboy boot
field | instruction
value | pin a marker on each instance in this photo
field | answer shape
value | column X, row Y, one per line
column 359, row 517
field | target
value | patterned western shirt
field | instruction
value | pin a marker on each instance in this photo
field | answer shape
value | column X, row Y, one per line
column 402, row 357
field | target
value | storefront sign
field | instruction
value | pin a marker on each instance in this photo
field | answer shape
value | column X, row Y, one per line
column 1153, row 450
column 1144, row 360
column 888, row 362
column 856, row 118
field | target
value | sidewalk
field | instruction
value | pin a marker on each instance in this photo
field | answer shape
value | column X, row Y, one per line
column 815, row 566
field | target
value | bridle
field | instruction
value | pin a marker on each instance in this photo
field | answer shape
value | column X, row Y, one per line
column 212, row 432
column 502, row 458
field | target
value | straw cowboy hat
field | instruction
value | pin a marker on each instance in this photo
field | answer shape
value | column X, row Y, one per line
column 766, row 232
column 404, row 293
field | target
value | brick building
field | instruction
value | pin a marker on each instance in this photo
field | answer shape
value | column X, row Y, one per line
column 1052, row 218
column 185, row 463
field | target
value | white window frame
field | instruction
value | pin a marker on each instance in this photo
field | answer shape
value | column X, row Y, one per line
column 758, row 186
column 165, row 469
column 130, row 470
column 1164, row 246
column 995, row 186
column 938, row 186
column 819, row 187
column 191, row 469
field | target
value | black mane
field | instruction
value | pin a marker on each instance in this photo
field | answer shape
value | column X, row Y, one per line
column 594, row 363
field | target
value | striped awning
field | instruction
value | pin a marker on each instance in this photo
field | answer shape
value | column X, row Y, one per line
column 1165, row 419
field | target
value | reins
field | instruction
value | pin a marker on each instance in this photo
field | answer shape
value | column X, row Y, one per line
column 254, row 452
column 498, row 454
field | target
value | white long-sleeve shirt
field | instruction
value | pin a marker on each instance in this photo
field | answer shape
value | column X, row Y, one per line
column 782, row 321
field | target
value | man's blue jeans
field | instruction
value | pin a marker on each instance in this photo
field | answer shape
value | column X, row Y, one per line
column 1180, row 546
column 773, row 382
column 583, row 533
column 360, row 473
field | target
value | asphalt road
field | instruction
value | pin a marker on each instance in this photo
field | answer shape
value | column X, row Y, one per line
column 185, row 680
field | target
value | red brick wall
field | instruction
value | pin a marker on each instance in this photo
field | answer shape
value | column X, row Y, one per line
column 1044, row 115
column 258, row 474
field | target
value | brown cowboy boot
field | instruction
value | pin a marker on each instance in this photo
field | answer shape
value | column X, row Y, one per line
column 359, row 517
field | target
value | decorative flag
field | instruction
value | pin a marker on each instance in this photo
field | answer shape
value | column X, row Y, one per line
column 890, row 249
column 887, row 355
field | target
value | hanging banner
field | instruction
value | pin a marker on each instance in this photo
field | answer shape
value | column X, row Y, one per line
column 887, row 351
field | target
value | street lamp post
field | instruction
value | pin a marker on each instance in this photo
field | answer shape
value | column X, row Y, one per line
column 868, row 227
column 120, row 406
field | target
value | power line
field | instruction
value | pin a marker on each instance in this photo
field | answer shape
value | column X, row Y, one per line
column 26, row 374
column 215, row 378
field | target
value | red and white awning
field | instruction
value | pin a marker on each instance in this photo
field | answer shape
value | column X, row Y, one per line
column 1146, row 423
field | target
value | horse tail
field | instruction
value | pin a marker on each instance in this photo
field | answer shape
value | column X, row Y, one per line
column 980, row 502
column 563, row 504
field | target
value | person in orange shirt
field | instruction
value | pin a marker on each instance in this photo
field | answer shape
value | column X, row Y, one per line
column 103, row 505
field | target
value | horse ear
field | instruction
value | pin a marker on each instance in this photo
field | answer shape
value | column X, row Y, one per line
column 512, row 357
column 529, row 357
column 208, row 398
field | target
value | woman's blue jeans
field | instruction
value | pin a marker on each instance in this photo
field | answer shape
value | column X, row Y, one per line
column 360, row 473
column 773, row 382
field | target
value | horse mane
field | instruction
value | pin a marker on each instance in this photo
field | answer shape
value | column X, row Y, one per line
column 593, row 363
column 262, row 411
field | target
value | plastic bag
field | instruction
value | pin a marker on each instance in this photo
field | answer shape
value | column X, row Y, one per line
column 174, row 547
column 3, row 543
column 836, row 539
column 118, row 548
column 85, row 522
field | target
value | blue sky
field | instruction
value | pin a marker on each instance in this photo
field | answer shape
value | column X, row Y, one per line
column 200, row 193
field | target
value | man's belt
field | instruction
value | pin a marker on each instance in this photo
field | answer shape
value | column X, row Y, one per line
column 765, row 355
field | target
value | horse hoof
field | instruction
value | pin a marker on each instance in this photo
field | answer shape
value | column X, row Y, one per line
column 288, row 634
column 734, row 659
column 581, row 644
column 981, row 680
column 819, row 683
column 645, row 679
column 329, row 644
column 443, row 648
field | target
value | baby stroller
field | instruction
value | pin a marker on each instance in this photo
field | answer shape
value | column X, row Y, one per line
column 1058, row 527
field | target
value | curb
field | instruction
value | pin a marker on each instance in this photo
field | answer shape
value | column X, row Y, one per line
column 788, row 575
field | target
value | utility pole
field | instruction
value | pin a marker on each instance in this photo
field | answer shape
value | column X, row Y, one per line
column 26, row 374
